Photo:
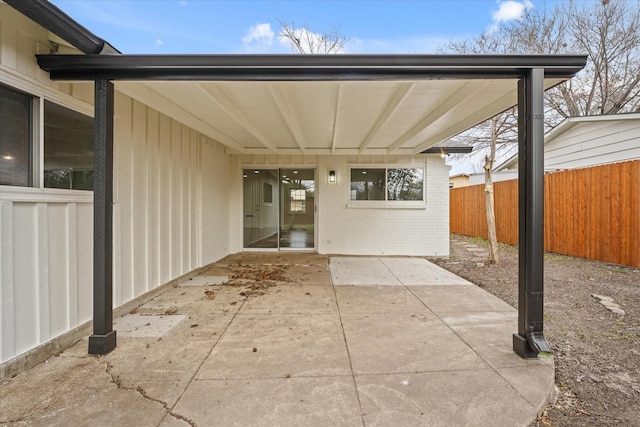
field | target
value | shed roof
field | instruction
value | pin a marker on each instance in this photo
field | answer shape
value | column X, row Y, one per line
column 321, row 104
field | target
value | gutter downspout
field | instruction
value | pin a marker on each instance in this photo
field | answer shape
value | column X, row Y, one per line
column 55, row 20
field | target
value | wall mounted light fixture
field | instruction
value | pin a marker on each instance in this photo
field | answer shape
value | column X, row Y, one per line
column 332, row 177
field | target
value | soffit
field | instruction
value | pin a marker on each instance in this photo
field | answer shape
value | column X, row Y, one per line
column 330, row 117
column 320, row 104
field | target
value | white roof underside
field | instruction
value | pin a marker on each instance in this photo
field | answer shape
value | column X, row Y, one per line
column 330, row 117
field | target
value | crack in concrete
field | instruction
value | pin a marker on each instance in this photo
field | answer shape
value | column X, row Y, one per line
column 115, row 379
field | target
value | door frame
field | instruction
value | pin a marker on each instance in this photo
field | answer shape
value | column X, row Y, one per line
column 280, row 166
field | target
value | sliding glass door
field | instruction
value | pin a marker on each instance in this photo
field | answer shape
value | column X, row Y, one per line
column 261, row 208
column 297, row 212
column 279, row 208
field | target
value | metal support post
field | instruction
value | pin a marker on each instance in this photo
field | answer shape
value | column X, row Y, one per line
column 103, row 339
column 529, row 342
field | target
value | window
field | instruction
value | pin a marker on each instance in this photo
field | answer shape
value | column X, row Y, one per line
column 387, row 184
column 68, row 148
column 367, row 184
column 267, row 190
column 405, row 184
column 298, row 200
column 15, row 137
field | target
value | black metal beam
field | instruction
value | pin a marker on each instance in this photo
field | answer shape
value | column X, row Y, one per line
column 529, row 342
column 304, row 67
column 103, row 339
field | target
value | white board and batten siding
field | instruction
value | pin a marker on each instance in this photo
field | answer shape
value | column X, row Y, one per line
column 171, row 207
column 170, row 217
column 170, row 200
column 46, row 266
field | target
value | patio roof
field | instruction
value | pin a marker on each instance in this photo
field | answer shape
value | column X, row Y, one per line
column 329, row 104
column 320, row 104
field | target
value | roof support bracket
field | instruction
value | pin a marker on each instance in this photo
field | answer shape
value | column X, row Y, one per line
column 529, row 342
column 103, row 339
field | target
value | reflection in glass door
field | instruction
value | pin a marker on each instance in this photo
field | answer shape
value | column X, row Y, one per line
column 261, row 202
column 297, row 212
column 279, row 208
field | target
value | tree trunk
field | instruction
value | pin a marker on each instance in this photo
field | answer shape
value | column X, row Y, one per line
column 489, row 200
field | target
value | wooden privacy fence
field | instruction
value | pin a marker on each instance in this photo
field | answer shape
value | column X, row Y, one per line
column 589, row 213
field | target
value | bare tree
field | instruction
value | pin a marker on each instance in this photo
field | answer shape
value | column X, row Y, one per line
column 609, row 32
column 303, row 40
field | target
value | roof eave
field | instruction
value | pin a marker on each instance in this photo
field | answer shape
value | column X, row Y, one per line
column 305, row 67
column 47, row 15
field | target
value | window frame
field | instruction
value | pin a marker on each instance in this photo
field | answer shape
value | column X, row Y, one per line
column 37, row 133
column 386, row 203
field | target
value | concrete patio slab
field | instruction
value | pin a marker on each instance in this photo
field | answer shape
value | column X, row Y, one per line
column 72, row 391
column 361, row 271
column 327, row 401
column 390, row 272
column 204, row 280
column 378, row 300
column 293, row 299
column 394, row 343
column 488, row 334
column 279, row 346
column 146, row 325
column 419, row 271
column 398, row 347
column 436, row 399
column 459, row 299
column 309, row 274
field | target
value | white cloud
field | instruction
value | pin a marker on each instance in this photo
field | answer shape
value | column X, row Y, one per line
column 182, row 3
column 159, row 42
column 259, row 36
column 508, row 11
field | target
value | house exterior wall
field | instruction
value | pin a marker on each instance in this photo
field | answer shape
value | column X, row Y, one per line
column 363, row 228
column 178, row 205
column 479, row 178
column 170, row 193
column 171, row 213
column 594, row 143
column 459, row 181
column 581, row 142
column 383, row 228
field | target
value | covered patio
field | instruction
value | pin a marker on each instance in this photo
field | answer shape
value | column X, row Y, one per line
column 331, row 96
column 298, row 339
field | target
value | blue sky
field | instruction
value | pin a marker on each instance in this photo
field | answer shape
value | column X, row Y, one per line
column 207, row 26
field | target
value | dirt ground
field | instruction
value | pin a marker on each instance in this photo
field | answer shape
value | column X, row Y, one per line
column 596, row 350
